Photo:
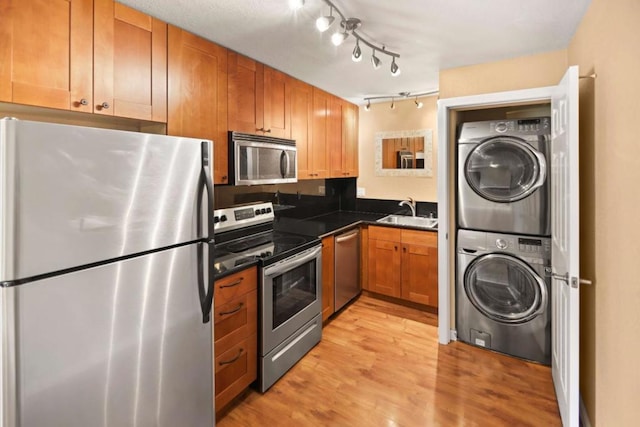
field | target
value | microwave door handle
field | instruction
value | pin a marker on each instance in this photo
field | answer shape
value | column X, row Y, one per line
column 284, row 164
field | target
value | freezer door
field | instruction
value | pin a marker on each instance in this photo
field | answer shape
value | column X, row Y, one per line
column 71, row 196
column 121, row 344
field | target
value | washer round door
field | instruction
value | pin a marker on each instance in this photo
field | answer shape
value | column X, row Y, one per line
column 505, row 289
column 504, row 169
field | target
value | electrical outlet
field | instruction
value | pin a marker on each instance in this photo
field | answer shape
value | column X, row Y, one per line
column 321, row 189
column 360, row 192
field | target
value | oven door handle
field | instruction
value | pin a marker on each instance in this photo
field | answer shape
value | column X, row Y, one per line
column 292, row 262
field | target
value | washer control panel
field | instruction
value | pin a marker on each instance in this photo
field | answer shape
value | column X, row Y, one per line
column 522, row 125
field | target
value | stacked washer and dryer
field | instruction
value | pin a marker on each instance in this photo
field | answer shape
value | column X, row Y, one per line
column 503, row 298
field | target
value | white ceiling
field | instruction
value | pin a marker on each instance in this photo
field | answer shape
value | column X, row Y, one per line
column 429, row 35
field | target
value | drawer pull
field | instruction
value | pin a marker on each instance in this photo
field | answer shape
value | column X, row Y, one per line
column 231, row 285
column 235, row 310
column 228, row 362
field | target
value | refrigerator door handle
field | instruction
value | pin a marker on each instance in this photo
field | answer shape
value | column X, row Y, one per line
column 205, row 291
column 206, row 296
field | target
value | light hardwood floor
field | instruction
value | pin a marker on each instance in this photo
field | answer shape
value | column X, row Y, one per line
column 379, row 364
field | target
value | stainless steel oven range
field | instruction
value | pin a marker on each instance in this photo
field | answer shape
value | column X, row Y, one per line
column 290, row 269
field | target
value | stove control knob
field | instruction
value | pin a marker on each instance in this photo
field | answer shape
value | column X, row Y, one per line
column 501, row 244
column 268, row 253
column 268, row 210
column 257, row 211
column 263, row 210
column 216, row 219
column 223, row 218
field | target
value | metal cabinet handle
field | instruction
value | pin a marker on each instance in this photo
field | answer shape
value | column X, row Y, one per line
column 228, row 362
column 231, row 285
column 83, row 101
column 235, row 310
column 105, row 105
column 267, row 131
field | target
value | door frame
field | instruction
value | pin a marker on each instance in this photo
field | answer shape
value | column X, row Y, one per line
column 446, row 189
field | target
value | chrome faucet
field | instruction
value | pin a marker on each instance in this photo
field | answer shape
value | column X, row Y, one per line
column 411, row 203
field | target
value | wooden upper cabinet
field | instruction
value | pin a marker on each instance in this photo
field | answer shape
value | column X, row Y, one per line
column 318, row 154
column 130, row 63
column 277, row 103
column 343, row 139
column 301, row 118
column 350, row 142
column 259, row 98
column 46, row 48
column 246, row 94
column 197, row 94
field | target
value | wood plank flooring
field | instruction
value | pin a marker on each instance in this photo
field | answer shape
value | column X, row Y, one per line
column 380, row 364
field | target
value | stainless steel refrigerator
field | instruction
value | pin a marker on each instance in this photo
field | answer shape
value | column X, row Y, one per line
column 106, row 288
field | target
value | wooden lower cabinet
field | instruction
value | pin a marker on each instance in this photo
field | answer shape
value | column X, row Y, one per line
column 235, row 335
column 403, row 264
column 328, row 277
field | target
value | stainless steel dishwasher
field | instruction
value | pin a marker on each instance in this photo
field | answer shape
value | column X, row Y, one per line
column 347, row 267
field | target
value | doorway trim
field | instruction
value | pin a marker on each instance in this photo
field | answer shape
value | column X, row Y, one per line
column 446, row 190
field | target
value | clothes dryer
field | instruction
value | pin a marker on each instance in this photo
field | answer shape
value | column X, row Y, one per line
column 503, row 298
column 503, row 180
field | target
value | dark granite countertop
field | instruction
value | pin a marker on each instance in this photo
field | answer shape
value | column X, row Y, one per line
column 218, row 274
column 327, row 224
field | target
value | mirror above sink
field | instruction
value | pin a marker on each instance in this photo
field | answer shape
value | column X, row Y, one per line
column 404, row 153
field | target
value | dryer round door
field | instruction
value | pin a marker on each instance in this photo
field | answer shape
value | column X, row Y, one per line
column 505, row 169
column 505, row 288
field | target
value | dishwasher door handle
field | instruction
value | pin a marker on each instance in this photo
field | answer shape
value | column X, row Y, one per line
column 344, row 237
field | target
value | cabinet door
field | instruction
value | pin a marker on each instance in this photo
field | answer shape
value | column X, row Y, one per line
column 197, row 94
column 350, row 140
column 130, row 63
column 334, row 137
column 328, row 277
column 318, row 159
column 301, row 117
column 246, row 94
column 46, row 48
column 277, row 103
column 384, row 267
column 420, row 274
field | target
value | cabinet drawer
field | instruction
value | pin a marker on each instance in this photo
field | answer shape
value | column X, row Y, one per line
column 425, row 238
column 385, row 233
column 235, row 320
column 233, row 286
column 235, row 369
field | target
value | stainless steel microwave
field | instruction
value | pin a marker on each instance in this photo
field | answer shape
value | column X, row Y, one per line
column 257, row 159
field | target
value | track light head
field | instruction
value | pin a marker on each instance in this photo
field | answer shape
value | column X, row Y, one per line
column 395, row 70
column 393, row 104
column 324, row 22
column 296, row 4
column 419, row 104
column 338, row 38
column 375, row 61
column 368, row 106
column 357, row 52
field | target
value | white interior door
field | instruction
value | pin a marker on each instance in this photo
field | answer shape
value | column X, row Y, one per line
column 565, row 249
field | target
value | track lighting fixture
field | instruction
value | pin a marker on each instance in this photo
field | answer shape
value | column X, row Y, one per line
column 357, row 52
column 419, row 104
column 375, row 61
column 395, row 70
column 349, row 26
column 324, row 22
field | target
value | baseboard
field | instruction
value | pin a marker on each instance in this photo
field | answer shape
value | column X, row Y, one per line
column 584, row 416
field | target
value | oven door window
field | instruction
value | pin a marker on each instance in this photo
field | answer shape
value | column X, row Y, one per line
column 293, row 291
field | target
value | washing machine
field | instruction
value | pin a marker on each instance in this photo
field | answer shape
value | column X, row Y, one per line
column 503, row 182
column 503, row 294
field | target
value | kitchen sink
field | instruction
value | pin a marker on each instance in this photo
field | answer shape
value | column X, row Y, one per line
column 411, row 221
